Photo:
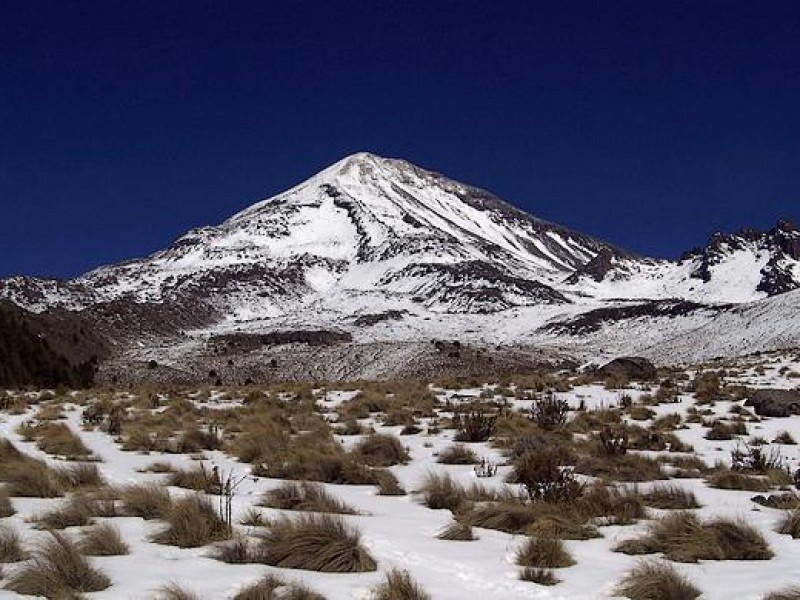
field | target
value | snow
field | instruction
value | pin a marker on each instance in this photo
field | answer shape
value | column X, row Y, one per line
column 400, row 532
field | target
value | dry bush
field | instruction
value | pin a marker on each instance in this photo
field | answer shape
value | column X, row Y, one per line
column 57, row 569
column 57, row 439
column 549, row 412
column 399, row 586
column 103, row 540
column 790, row 524
column 6, row 507
column 540, row 576
column 196, row 478
column 651, row 580
column 721, row 431
column 312, row 497
column 725, row 479
column 381, row 450
column 323, row 543
column 791, row 593
column 192, row 521
column 149, row 501
column 77, row 512
column 10, row 546
column 173, row 591
column 254, row 518
column 272, row 587
column 457, row 454
column 476, row 426
column 544, row 552
column 544, row 479
column 80, row 475
column 388, row 484
column 670, row 497
column 628, row 467
column 457, row 531
column 195, row 440
column 682, row 537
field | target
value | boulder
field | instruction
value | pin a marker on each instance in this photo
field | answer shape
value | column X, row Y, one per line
column 629, row 367
column 774, row 403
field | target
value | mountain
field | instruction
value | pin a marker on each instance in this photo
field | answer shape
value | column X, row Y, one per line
column 376, row 250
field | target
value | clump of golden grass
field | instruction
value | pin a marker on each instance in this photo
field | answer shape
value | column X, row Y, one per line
column 149, row 501
column 670, row 497
column 790, row 524
column 651, row 580
column 237, row 551
column 323, row 543
column 57, row 569
column 539, row 575
column 103, row 540
column 457, row 454
column 80, row 475
column 626, row 467
column 195, row 478
column 55, row 438
column 192, row 521
column 10, row 546
column 272, row 587
column 77, row 512
column 381, row 450
column 6, row 507
column 441, row 491
column 725, row 479
column 312, row 497
column 173, row 591
column 399, row 585
column 457, row 531
column 388, row 484
column 544, row 552
column 253, row 518
column 683, row 538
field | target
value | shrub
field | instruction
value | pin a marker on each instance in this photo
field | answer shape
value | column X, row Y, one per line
column 544, row 479
column 10, row 546
column 103, row 540
column 305, row 496
column 726, row 479
column 458, row 532
column 540, row 576
column 544, row 552
column 149, row 501
column 57, row 570
column 272, row 587
column 380, row 450
column 316, row 543
column 720, row 431
column 192, row 521
column 6, row 507
column 549, row 412
column 196, row 478
column 173, row 591
column 457, row 454
column 656, row 581
column 790, row 524
column 670, row 497
column 683, row 538
column 399, row 586
column 475, row 426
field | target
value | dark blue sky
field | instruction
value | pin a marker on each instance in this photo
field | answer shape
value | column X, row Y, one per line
column 648, row 123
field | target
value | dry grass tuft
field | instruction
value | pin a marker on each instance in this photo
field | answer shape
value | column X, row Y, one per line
column 381, row 450
column 458, row 454
column 77, row 512
column 457, row 531
column 652, row 580
column 173, row 591
column 544, row 552
column 670, row 497
column 790, row 524
column 10, row 546
column 196, row 478
column 103, row 540
column 57, row 570
column 6, row 507
column 192, row 521
column 312, row 497
column 725, row 479
column 683, row 538
column 272, row 587
column 80, row 475
column 323, row 543
column 388, row 484
column 149, row 501
column 540, row 576
column 792, row 593
column 399, row 586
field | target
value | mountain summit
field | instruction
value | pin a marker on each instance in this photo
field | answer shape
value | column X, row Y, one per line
column 377, row 249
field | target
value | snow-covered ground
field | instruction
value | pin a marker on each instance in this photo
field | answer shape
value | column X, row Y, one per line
column 401, row 532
